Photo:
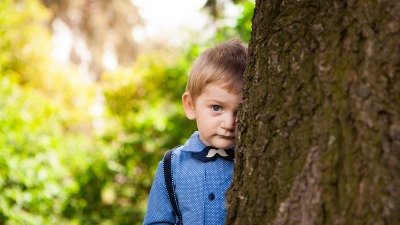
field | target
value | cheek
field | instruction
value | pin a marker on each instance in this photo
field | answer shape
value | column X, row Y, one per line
column 202, row 122
column 205, row 123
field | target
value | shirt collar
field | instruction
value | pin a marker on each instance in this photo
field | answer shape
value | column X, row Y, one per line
column 193, row 144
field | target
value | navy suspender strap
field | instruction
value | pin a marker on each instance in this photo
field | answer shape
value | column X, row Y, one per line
column 170, row 188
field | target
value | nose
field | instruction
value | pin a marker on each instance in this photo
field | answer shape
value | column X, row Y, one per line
column 229, row 122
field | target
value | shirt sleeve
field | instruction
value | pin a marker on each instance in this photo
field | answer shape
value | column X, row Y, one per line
column 159, row 209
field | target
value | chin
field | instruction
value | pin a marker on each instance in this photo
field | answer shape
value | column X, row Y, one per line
column 224, row 145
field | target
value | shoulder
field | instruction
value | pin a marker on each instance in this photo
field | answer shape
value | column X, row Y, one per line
column 179, row 153
column 183, row 161
column 182, row 154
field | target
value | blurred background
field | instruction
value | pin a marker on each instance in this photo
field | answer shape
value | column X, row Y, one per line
column 90, row 99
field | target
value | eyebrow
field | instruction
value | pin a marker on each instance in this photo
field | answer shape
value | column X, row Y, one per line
column 218, row 102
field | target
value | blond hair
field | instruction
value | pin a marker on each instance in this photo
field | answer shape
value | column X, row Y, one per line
column 221, row 65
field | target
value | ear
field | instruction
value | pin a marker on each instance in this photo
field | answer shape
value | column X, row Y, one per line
column 188, row 105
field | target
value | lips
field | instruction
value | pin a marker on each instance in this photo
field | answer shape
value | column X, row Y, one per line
column 227, row 137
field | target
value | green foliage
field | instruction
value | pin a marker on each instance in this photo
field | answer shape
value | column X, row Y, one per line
column 43, row 139
column 34, row 178
column 23, row 40
column 242, row 26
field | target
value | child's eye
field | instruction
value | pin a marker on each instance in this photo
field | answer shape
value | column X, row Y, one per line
column 216, row 108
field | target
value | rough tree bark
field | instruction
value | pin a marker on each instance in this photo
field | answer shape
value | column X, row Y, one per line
column 319, row 127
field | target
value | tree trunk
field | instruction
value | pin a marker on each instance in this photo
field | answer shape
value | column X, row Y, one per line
column 319, row 127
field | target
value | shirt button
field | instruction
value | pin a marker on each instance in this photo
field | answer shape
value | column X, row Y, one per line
column 211, row 196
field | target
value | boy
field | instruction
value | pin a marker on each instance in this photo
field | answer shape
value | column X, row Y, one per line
column 201, row 175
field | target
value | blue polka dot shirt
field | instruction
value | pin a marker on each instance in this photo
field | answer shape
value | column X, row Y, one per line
column 200, row 188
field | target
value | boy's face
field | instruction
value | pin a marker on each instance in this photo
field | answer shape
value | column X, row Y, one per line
column 215, row 113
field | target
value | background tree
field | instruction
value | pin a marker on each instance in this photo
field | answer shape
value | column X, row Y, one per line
column 97, row 28
column 319, row 128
